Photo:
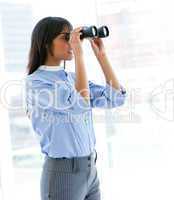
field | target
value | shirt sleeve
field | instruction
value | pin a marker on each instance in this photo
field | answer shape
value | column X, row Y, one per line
column 60, row 96
column 106, row 96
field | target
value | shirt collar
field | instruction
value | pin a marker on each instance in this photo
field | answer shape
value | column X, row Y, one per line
column 51, row 68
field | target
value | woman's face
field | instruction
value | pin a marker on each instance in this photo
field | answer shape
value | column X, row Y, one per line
column 60, row 46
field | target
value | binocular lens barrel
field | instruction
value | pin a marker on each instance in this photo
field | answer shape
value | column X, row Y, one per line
column 92, row 31
column 88, row 32
column 103, row 31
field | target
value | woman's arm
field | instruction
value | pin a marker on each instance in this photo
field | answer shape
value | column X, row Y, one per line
column 100, row 53
column 81, row 82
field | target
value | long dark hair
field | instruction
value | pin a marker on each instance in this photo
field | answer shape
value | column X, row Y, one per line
column 42, row 36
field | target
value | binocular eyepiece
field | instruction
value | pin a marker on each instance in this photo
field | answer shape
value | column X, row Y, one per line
column 93, row 31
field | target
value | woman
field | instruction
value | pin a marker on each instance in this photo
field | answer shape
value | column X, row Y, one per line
column 59, row 105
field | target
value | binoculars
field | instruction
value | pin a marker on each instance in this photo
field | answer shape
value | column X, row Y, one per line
column 93, row 31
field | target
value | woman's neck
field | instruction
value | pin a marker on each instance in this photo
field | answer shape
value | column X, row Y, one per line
column 51, row 62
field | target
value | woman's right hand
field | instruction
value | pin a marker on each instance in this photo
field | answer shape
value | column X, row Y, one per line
column 76, row 42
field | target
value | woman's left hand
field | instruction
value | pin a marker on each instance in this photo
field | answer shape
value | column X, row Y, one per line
column 97, row 46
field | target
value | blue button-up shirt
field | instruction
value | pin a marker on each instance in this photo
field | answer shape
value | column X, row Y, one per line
column 60, row 116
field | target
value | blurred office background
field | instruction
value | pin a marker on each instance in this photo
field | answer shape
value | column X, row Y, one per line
column 135, row 142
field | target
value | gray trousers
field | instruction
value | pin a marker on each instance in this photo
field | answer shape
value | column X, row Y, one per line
column 70, row 178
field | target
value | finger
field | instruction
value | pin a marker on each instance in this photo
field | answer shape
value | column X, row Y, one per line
column 75, row 37
column 78, row 29
column 91, row 41
column 76, row 34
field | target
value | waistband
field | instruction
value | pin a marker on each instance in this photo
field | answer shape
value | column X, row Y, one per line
column 70, row 164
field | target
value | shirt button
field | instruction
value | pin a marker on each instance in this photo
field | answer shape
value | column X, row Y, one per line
column 89, row 158
column 89, row 165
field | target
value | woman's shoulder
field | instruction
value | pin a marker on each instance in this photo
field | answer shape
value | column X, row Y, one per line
column 43, row 76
